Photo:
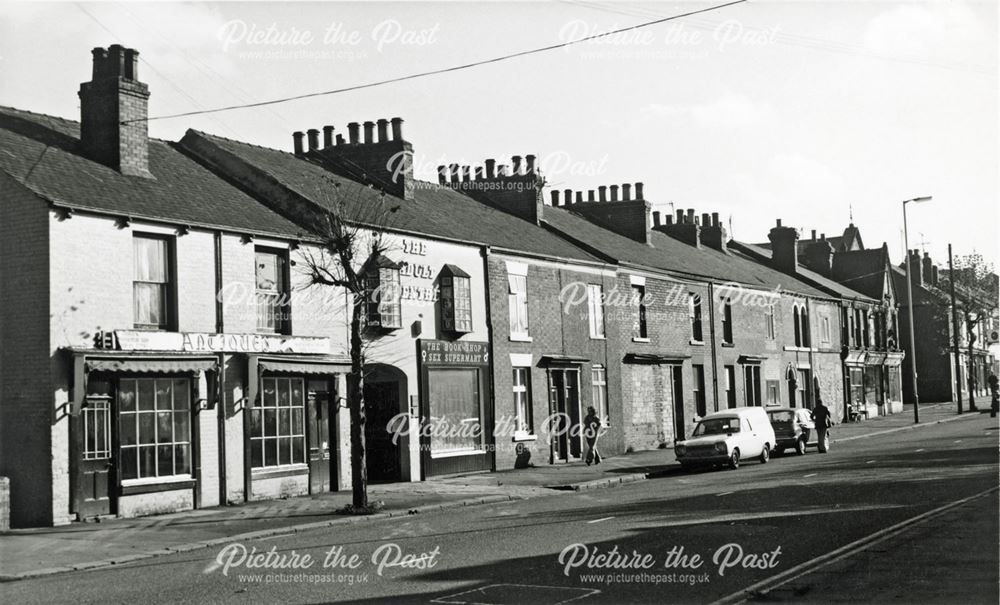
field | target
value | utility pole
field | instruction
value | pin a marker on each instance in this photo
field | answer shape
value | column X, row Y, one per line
column 954, row 331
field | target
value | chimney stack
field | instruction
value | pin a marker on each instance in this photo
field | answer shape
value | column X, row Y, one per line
column 713, row 234
column 602, row 193
column 928, row 269
column 516, row 162
column 638, row 191
column 555, row 197
column 297, row 138
column 517, row 191
column 328, row 136
column 819, row 256
column 629, row 217
column 353, row 130
column 386, row 164
column 113, row 112
column 313, row 137
column 784, row 248
column 916, row 268
column 397, row 129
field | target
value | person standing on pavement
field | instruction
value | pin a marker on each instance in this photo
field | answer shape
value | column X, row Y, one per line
column 591, row 430
column 994, row 394
column 821, row 416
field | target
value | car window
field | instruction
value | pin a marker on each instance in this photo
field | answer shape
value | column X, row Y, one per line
column 781, row 417
column 717, row 426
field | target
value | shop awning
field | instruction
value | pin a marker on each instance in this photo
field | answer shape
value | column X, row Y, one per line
column 654, row 358
column 561, row 359
column 301, row 367
column 141, row 365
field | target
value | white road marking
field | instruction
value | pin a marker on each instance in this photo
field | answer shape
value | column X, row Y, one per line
column 869, row 461
column 599, row 520
column 920, row 450
column 477, row 596
column 724, row 493
column 861, row 544
column 809, row 475
column 958, row 441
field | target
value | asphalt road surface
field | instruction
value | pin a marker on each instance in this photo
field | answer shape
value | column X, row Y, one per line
column 909, row 517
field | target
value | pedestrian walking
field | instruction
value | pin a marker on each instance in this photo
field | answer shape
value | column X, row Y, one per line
column 591, row 431
column 994, row 394
column 823, row 419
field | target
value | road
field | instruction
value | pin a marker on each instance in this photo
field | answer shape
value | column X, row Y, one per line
column 791, row 522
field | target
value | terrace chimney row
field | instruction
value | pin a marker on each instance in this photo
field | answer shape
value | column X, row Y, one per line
column 515, row 189
column 385, row 163
column 628, row 215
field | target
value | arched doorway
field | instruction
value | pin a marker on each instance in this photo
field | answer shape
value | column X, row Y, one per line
column 385, row 397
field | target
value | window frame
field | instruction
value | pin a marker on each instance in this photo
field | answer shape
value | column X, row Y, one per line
column 451, row 298
column 377, row 277
column 517, row 303
column 281, row 310
column 168, row 287
column 599, row 386
column 641, row 329
column 595, row 311
column 524, row 428
column 769, row 322
column 698, row 389
column 696, row 318
column 727, row 321
column 260, row 410
column 136, row 414
column 751, row 385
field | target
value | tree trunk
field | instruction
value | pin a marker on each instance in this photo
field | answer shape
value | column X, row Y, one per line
column 356, row 403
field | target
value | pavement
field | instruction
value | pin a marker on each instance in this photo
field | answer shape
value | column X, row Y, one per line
column 46, row 551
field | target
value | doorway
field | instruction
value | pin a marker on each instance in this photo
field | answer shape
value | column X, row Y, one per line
column 381, row 454
column 677, row 396
column 320, row 425
column 564, row 405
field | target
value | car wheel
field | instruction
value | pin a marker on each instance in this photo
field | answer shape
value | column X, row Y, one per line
column 800, row 447
column 734, row 460
column 765, row 454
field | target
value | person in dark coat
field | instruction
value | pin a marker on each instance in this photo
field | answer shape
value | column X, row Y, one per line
column 591, row 431
column 994, row 394
column 824, row 420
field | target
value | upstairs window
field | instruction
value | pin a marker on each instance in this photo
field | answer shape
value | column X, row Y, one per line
column 595, row 302
column 272, row 291
column 456, row 300
column 801, row 319
column 517, row 301
column 151, row 282
column 639, row 301
column 694, row 313
column 382, row 294
column 727, row 322
column 769, row 322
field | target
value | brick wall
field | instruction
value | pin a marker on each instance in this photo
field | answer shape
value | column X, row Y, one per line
column 26, row 412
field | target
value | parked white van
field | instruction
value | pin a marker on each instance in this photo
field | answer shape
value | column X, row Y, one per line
column 727, row 437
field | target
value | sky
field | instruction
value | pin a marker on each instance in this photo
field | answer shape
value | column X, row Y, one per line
column 811, row 112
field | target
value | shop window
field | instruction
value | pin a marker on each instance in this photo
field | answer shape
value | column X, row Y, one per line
column 96, row 419
column 727, row 322
column 773, row 393
column 456, row 404
column 517, row 300
column 277, row 424
column 382, row 294
column 895, row 384
column 456, row 300
column 599, row 386
column 273, row 308
column 523, row 424
column 694, row 314
column 154, row 427
column 856, row 377
column 152, row 289
column 698, row 389
column 595, row 307
column 639, row 301
column 751, row 384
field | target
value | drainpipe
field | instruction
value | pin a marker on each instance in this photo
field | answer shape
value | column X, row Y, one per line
column 715, row 360
column 811, row 394
column 485, row 252
column 220, row 390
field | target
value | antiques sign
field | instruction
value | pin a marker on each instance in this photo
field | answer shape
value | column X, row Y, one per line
column 461, row 353
column 207, row 342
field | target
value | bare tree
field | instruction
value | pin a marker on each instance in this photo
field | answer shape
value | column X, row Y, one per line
column 352, row 249
column 976, row 291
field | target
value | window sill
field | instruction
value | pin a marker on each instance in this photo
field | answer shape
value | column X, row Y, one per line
column 728, row 345
column 133, row 487
column 694, row 342
column 592, row 337
column 286, row 470
column 520, row 338
column 801, row 349
column 639, row 339
column 519, row 437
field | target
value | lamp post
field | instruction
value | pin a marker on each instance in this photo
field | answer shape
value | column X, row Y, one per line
column 909, row 302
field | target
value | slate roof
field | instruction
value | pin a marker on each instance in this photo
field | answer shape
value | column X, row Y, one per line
column 820, row 281
column 674, row 256
column 437, row 210
column 839, row 242
column 43, row 153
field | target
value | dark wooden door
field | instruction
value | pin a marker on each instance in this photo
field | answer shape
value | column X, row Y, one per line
column 677, row 396
column 95, row 465
column 381, row 454
column 319, row 427
column 564, row 403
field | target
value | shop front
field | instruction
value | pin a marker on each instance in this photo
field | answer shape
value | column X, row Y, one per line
column 456, row 432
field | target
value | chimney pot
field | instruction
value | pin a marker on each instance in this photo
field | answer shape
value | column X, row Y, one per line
column 555, row 197
column 602, row 193
column 670, row 219
column 453, row 171
column 313, row 137
column 490, row 168
column 715, row 219
column 131, row 64
column 706, row 219
column 813, row 235
column 590, row 195
column 383, row 130
column 614, row 193
column 340, row 139
column 369, row 132
column 116, row 60
column 690, row 217
column 680, row 217
column 466, row 174
column 567, row 196
column 579, row 197
column 779, row 222
column 353, row 130
column 638, row 191
column 328, row 136
column 443, row 174
column 656, row 218
column 480, row 173
column 397, row 129
column 530, row 160
column 501, row 171
column 297, row 138
column 516, row 163
column 626, row 192
column 100, row 67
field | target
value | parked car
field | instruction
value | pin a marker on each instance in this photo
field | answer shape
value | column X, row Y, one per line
column 728, row 437
column 793, row 429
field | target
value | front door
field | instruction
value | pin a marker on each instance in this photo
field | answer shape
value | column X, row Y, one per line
column 564, row 404
column 381, row 454
column 677, row 396
column 94, row 476
column 319, row 421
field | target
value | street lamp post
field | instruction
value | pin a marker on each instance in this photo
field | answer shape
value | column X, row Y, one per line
column 909, row 302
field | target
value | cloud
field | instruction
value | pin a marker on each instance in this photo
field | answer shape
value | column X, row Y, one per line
column 729, row 111
column 948, row 30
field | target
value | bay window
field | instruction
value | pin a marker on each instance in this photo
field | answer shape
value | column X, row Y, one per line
column 456, row 300
column 382, row 294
